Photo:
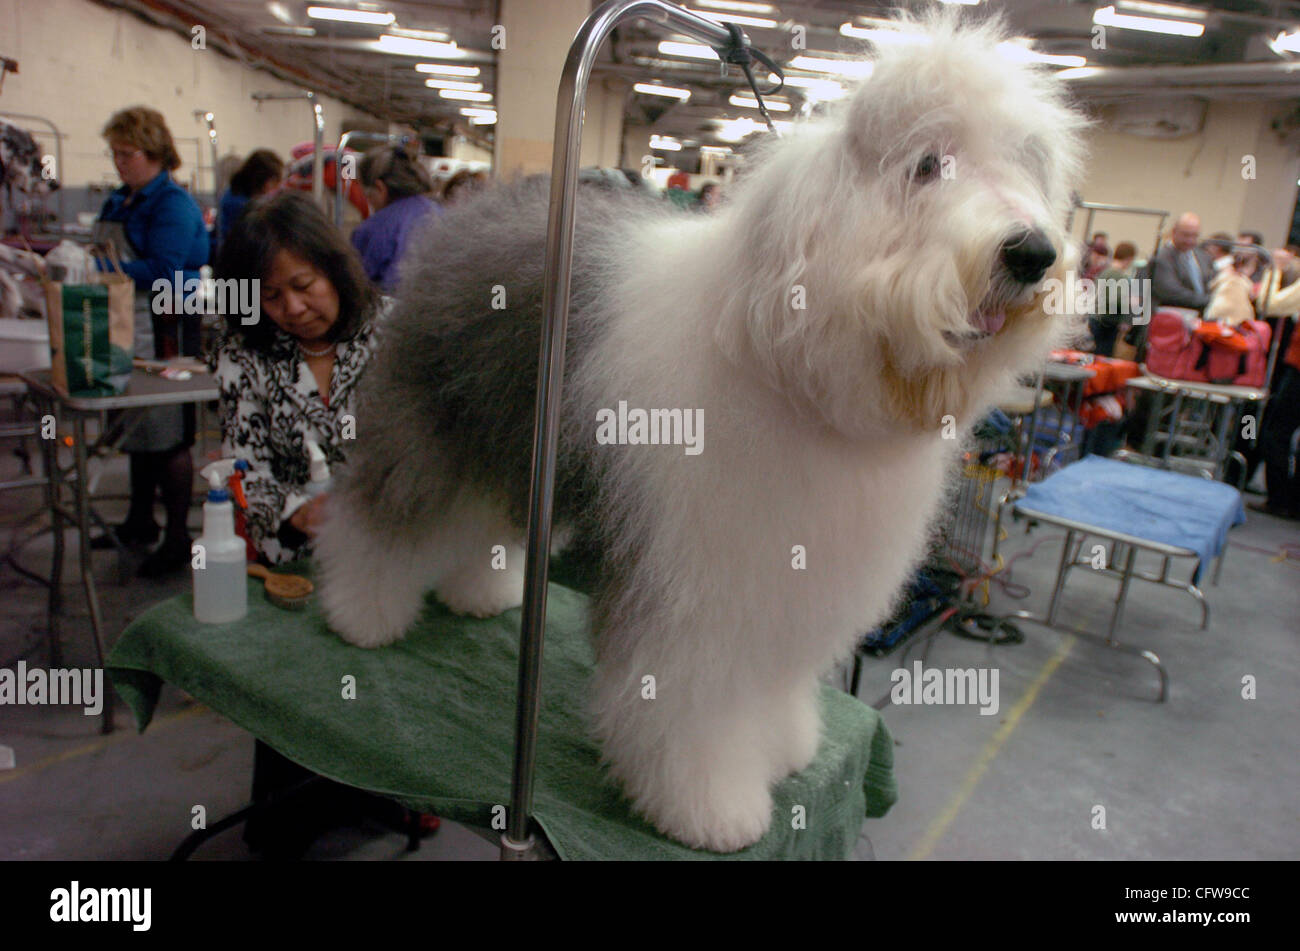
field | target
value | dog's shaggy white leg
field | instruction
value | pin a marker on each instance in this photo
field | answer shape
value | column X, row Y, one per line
column 795, row 729
column 693, row 763
column 372, row 587
column 481, row 561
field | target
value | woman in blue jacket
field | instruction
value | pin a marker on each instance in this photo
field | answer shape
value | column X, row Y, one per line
column 158, row 231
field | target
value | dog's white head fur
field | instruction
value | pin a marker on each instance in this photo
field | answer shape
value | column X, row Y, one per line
column 887, row 223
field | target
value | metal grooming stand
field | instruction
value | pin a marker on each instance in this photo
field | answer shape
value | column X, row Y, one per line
column 347, row 137
column 517, row 842
column 1092, row 207
column 318, row 137
column 208, row 118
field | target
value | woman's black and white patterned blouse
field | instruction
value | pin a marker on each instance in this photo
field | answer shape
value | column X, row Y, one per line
column 270, row 407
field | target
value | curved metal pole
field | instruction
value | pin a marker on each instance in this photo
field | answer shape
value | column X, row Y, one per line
column 344, row 139
column 516, row 842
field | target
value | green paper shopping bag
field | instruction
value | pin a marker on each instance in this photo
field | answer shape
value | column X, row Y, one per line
column 91, row 334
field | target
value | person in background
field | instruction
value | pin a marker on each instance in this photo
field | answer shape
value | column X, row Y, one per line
column 398, row 190
column 710, row 196
column 292, row 376
column 260, row 174
column 1115, row 299
column 1218, row 246
column 1277, row 436
column 462, row 185
column 1247, row 262
column 1181, row 272
column 1096, row 257
column 157, row 230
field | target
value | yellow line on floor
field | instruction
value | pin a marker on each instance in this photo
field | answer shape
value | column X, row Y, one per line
column 987, row 755
column 117, row 736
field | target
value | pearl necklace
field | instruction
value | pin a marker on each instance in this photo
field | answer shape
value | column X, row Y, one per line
column 328, row 348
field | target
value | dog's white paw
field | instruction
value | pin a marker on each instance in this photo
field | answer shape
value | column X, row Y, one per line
column 479, row 593
column 718, row 815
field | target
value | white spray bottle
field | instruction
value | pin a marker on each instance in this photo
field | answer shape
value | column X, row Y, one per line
column 320, row 471
column 219, row 561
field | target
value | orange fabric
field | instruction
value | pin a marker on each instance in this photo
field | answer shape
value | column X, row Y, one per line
column 1111, row 372
column 1220, row 335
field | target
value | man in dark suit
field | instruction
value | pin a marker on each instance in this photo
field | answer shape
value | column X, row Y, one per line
column 1181, row 271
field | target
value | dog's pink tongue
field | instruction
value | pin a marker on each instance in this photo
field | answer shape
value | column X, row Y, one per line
column 990, row 321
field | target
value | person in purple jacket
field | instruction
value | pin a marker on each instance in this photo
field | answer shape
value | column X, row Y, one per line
column 398, row 190
column 158, row 233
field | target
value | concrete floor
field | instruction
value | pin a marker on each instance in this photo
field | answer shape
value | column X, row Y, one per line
column 1205, row 775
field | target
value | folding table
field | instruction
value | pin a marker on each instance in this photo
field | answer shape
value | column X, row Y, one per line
column 144, row 390
column 1171, row 514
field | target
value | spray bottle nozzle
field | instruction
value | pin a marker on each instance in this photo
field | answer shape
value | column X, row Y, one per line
column 216, row 488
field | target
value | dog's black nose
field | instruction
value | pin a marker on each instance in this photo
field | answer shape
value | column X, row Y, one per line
column 1028, row 255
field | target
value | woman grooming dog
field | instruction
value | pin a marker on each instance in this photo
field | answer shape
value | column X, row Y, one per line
column 290, row 377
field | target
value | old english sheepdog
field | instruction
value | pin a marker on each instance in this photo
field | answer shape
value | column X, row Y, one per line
column 865, row 291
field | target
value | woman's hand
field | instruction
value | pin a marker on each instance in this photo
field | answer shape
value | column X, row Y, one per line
column 308, row 518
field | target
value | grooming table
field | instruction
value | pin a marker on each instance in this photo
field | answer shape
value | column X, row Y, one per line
column 1201, row 417
column 1169, row 513
column 432, row 723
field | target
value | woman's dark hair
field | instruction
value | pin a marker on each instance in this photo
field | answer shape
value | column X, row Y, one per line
column 1125, row 251
column 260, row 167
column 403, row 175
column 291, row 221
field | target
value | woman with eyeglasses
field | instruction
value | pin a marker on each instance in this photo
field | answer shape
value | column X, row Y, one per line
column 398, row 190
column 157, row 231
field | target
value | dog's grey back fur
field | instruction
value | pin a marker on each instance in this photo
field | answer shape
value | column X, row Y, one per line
column 449, row 397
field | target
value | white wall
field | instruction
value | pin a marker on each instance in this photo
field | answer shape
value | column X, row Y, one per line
column 1200, row 173
column 79, row 62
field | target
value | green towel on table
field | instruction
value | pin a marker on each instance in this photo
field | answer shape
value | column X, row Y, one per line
column 432, row 724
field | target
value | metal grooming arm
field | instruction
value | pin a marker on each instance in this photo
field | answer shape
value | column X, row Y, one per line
column 517, row 841
column 347, row 137
column 318, row 137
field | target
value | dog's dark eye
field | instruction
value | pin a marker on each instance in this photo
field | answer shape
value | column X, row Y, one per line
column 927, row 168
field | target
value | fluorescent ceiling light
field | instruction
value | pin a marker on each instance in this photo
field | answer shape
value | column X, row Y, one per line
column 749, row 102
column 733, row 130
column 482, row 120
column 351, row 16
column 1020, row 52
column 477, row 111
column 1162, row 9
column 717, row 149
column 881, row 37
column 436, row 36
column 446, row 69
column 694, row 50
column 465, row 96
column 968, row 3
column 739, row 6
column 858, row 69
column 289, row 30
column 1106, row 16
column 280, row 12
column 761, row 23
column 453, row 84
column 652, row 89
column 1080, row 72
column 665, row 143
column 405, row 46
column 1287, row 41
column 819, row 90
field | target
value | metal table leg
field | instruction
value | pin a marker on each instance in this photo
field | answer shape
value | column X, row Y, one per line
column 53, row 502
column 87, row 567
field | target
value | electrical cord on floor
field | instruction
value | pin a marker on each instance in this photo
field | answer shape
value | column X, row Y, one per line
column 977, row 625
